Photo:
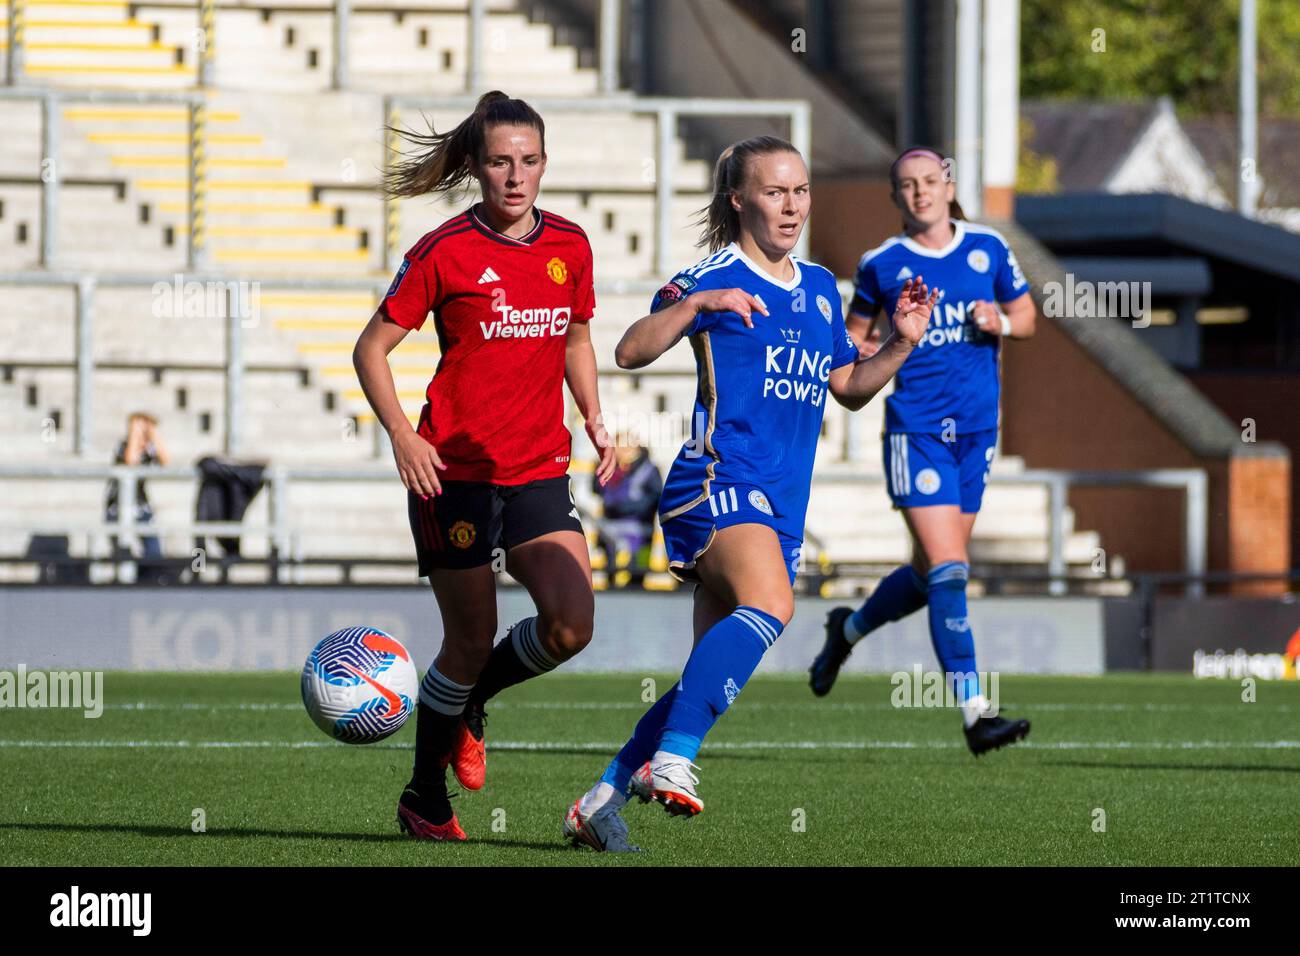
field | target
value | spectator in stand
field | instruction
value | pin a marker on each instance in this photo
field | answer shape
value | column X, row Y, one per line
column 142, row 446
column 631, row 499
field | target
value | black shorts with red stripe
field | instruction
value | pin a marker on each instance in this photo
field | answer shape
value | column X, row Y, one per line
column 474, row 522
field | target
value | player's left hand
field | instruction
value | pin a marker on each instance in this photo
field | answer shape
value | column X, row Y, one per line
column 912, row 313
column 987, row 318
column 604, row 446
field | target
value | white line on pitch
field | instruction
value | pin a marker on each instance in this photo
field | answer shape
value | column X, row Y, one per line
column 755, row 706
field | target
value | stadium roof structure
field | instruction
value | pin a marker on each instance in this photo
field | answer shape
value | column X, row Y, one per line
column 1147, row 224
column 1090, row 222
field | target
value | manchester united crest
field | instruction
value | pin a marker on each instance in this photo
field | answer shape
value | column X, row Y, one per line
column 557, row 270
column 461, row 534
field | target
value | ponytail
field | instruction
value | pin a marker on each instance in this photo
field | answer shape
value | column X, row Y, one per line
column 443, row 161
column 720, row 220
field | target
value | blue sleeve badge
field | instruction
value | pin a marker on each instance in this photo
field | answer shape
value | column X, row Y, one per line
column 397, row 279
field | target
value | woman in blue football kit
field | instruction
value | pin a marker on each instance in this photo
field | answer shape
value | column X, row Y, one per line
column 941, row 424
column 770, row 345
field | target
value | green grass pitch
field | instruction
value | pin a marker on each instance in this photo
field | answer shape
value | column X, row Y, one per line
column 1185, row 772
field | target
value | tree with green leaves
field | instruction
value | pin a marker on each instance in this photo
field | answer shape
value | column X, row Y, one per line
column 1141, row 49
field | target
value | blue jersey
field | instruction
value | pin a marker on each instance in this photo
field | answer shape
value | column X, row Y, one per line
column 953, row 373
column 762, row 391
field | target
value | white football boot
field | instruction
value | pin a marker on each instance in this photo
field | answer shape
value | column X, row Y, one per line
column 639, row 786
column 673, row 784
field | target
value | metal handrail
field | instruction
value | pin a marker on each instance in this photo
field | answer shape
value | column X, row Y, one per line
column 1058, row 481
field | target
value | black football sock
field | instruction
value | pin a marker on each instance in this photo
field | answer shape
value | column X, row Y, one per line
column 437, row 717
column 517, row 657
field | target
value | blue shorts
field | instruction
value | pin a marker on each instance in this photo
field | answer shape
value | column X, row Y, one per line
column 922, row 469
column 689, row 535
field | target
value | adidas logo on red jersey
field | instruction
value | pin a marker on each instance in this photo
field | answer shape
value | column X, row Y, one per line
column 488, row 276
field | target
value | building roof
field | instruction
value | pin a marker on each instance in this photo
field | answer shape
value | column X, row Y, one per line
column 1279, row 156
column 1088, row 140
column 1199, row 424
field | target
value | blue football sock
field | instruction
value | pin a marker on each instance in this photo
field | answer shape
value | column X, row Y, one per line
column 642, row 745
column 950, row 628
column 717, row 669
column 898, row 595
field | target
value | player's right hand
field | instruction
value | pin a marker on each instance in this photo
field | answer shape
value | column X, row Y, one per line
column 418, row 463
column 912, row 313
column 728, row 300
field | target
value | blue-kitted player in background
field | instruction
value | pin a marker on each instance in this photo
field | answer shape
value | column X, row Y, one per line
column 770, row 344
column 941, row 423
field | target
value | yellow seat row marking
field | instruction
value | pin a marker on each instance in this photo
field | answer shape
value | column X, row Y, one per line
column 88, row 24
column 406, row 349
column 226, row 162
column 251, row 184
column 323, row 231
column 296, row 255
column 105, row 47
column 214, row 139
column 71, row 68
column 77, row 3
column 412, row 416
column 317, row 299
column 410, row 395
column 348, row 370
column 354, row 324
column 247, row 207
column 130, row 114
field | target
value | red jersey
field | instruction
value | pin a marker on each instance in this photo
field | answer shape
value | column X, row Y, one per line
column 502, row 308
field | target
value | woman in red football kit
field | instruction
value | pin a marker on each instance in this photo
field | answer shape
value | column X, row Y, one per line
column 486, row 469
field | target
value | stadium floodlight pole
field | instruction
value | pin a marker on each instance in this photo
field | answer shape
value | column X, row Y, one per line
column 207, row 37
column 342, row 15
column 85, row 384
column 969, row 100
column 474, row 60
column 50, row 120
column 801, row 139
column 1248, row 118
column 17, row 42
column 609, row 39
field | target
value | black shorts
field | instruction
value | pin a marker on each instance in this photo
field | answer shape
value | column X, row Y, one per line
column 472, row 522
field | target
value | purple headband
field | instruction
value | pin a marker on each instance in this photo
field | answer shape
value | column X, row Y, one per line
column 916, row 151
